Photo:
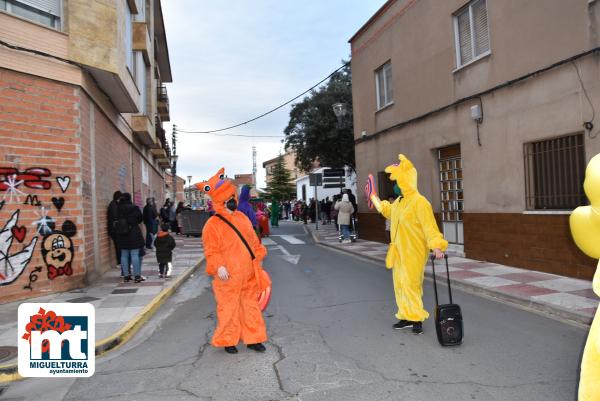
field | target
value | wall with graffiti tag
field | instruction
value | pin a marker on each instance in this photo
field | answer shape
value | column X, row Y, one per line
column 61, row 159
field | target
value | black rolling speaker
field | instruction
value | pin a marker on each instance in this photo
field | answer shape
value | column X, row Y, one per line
column 448, row 317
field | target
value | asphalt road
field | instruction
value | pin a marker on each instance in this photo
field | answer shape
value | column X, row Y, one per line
column 331, row 338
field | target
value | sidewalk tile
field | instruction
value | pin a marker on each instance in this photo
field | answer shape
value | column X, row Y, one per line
column 463, row 274
column 564, row 284
column 523, row 290
column 565, row 300
column 528, row 277
column 497, row 270
column 589, row 311
column 472, row 265
column 588, row 293
column 115, row 315
column 490, row 281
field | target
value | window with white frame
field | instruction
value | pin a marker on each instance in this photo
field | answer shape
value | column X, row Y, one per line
column 383, row 84
column 471, row 32
column 46, row 12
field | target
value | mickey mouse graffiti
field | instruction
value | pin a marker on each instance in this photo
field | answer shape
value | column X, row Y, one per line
column 58, row 250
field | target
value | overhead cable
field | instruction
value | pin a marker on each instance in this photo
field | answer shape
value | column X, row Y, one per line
column 268, row 112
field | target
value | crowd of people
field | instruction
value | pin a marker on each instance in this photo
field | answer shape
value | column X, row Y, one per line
column 124, row 221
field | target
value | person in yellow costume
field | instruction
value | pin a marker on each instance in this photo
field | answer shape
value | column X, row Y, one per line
column 413, row 233
column 585, row 228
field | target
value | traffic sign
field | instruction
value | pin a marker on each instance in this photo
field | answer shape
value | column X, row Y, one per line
column 315, row 180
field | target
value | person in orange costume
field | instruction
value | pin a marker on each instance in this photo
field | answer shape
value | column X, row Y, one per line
column 237, row 278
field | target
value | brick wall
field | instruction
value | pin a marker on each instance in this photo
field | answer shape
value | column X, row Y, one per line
column 56, row 126
column 39, row 129
column 537, row 242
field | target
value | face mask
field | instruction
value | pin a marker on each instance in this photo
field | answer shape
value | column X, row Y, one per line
column 231, row 204
column 397, row 190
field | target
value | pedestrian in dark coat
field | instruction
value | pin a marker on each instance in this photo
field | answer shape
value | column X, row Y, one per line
column 150, row 215
column 164, row 244
column 129, row 237
column 111, row 217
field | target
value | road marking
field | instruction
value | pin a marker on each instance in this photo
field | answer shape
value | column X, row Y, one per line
column 287, row 256
column 268, row 242
column 292, row 240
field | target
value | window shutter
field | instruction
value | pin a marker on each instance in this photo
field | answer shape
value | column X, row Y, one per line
column 464, row 37
column 50, row 6
column 480, row 24
column 387, row 70
column 380, row 89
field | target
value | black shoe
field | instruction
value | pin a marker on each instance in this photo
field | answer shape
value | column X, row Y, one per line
column 258, row 347
column 417, row 328
column 139, row 279
column 231, row 350
column 403, row 324
column 126, row 279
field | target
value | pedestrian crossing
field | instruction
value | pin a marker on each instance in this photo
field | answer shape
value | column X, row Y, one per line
column 290, row 239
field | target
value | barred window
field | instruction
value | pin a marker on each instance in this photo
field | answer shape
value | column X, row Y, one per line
column 554, row 173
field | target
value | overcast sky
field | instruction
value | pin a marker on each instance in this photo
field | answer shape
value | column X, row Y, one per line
column 237, row 59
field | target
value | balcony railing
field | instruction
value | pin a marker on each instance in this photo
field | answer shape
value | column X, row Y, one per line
column 163, row 102
column 162, row 94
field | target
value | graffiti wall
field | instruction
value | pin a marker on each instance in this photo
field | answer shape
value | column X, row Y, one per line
column 61, row 158
column 37, row 238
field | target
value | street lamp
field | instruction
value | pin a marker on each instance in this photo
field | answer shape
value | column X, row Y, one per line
column 189, row 190
column 340, row 111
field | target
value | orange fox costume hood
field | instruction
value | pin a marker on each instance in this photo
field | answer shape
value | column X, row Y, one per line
column 219, row 189
column 238, row 312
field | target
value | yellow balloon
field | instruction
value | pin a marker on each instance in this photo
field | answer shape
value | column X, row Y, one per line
column 591, row 185
column 585, row 229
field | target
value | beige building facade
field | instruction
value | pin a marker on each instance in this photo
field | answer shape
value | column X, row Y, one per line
column 490, row 100
column 289, row 160
column 82, row 101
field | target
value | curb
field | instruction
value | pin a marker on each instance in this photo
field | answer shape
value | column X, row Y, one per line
column 553, row 311
column 9, row 373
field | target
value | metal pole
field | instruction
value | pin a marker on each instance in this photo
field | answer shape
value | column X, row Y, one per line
column 174, row 163
column 316, row 209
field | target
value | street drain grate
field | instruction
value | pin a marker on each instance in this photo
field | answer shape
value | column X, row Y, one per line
column 82, row 300
column 7, row 353
column 125, row 291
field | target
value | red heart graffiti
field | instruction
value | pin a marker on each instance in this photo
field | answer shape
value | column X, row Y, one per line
column 19, row 233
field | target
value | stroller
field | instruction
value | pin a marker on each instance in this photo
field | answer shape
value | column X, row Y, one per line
column 353, row 230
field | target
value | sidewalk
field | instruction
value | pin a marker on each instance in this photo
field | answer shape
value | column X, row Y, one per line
column 121, row 308
column 548, row 293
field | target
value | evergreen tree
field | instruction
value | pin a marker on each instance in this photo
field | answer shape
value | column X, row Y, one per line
column 280, row 187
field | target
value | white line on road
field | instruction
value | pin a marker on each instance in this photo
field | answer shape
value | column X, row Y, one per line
column 288, row 256
column 292, row 240
column 268, row 242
